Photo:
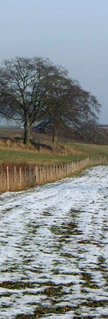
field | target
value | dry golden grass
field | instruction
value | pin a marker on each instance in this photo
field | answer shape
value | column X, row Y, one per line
column 42, row 151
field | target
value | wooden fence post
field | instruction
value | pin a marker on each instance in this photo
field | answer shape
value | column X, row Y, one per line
column 20, row 176
column 7, row 177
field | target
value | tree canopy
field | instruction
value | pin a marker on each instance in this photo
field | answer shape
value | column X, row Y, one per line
column 36, row 91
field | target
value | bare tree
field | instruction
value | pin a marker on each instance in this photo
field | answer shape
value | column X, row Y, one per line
column 23, row 87
column 34, row 90
column 68, row 104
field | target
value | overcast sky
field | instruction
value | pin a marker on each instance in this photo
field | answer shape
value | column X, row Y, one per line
column 72, row 33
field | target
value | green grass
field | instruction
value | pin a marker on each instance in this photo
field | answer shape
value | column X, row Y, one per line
column 91, row 150
column 80, row 151
column 17, row 157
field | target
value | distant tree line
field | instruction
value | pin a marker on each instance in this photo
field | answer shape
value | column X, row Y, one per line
column 88, row 133
column 35, row 91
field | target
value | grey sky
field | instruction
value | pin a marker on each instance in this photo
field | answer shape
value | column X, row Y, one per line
column 72, row 33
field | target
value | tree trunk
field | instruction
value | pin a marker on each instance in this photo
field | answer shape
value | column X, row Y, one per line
column 53, row 134
column 26, row 131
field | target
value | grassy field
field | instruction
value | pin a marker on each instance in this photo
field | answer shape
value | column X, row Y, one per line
column 73, row 152
column 28, row 157
column 43, row 152
column 91, row 150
